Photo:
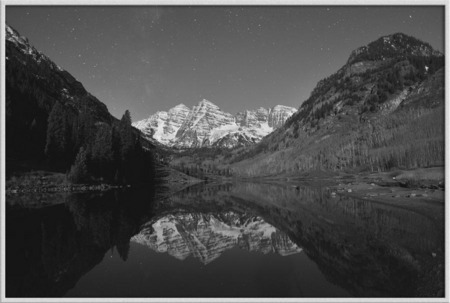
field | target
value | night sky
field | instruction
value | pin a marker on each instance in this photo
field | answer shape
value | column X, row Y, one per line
column 147, row 59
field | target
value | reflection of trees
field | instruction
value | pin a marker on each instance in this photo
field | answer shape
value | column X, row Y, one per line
column 49, row 249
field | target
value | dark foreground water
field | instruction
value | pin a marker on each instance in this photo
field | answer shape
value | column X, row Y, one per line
column 242, row 240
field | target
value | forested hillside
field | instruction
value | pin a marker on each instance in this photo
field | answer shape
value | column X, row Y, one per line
column 53, row 123
column 383, row 109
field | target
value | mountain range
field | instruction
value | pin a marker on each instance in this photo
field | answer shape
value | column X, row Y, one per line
column 384, row 108
column 206, row 125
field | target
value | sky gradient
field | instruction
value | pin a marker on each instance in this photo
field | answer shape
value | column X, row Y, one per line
column 147, row 58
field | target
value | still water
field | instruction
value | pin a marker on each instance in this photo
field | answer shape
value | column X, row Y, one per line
column 229, row 240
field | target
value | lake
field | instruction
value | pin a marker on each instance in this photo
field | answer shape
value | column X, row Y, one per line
column 224, row 240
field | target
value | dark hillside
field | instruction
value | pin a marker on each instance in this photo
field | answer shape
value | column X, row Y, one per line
column 53, row 123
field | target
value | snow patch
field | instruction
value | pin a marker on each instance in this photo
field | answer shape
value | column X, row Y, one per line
column 222, row 131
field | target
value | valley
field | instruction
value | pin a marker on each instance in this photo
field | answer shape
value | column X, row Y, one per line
column 383, row 110
column 224, row 151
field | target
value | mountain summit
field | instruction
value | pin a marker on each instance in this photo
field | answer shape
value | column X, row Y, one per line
column 206, row 125
column 392, row 46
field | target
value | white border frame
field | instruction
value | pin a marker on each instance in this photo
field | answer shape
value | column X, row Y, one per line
column 3, row 5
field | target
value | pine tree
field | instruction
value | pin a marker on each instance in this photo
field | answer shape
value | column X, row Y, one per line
column 126, row 136
column 57, row 136
column 101, row 151
column 85, row 129
column 78, row 172
column 125, row 147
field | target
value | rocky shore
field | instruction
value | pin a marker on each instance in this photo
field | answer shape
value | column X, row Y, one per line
column 63, row 188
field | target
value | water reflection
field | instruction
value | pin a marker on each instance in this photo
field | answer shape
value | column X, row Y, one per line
column 206, row 236
column 365, row 248
column 49, row 249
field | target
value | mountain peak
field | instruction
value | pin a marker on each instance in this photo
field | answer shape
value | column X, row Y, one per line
column 25, row 47
column 283, row 107
column 181, row 105
column 205, row 102
column 13, row 36
column 11, row 32
column 391, row 46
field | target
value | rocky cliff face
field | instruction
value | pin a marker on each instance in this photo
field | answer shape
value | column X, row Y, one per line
column 207, row 236
column 206, row 125
column 202, row 119
column 163, row 126
column 278, row 115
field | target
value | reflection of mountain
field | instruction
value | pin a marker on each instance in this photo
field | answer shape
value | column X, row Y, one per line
column 207, row 236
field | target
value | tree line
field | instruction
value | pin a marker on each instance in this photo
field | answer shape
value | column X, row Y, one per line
column 96, row 151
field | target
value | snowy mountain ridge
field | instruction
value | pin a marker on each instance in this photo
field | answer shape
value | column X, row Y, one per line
column 206, row 125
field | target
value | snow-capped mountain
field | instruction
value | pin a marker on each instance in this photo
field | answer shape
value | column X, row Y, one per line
column 206, row 125
column 163, row 126
column 207, row 236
